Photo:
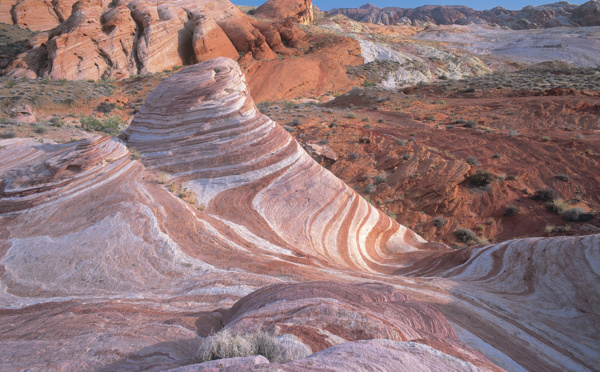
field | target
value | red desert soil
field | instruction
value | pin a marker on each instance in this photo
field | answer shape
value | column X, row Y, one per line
column 527, row 140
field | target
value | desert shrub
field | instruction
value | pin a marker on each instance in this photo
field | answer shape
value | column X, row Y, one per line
column 57, row 122
column 406, row 157
column 545, row 195
column 465, row 235
column 7, row 135
column 110, row 125
column 379, row 179
column 323, row 142
column 334, row 125
column 546, row 139
column 471, row 123
column 562, row 177
column 364, row 139
column 41, row 130
column 351, row 115
column 512, row 177
column 513, row 133
column 368, row 126
column 481, row 178
column 501, row 176
column 381, row 121
column 439, row 222
column 295, row 123
column 473, row 161
column 370, row 188
column 353, row 156
column 576, row 214
column 369, row 84
column 511, row 210
column 287, row 105
column 228, row 345
column 556, row 206
column 400, row 142
column 496, row 156
column 105, row 107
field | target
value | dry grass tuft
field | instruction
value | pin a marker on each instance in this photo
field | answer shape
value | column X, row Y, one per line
column 226, row 344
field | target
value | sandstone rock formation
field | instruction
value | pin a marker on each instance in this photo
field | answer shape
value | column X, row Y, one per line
column 119, row 39
column 301, row 10
column 141, row 258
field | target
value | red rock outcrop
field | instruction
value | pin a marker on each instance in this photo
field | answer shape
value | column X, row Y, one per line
column 92, row 238
column 300, row 10
column 123, row 38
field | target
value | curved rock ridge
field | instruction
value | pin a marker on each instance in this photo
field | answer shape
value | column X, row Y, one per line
column 202, row 128
column 323, row 314
column 43, row 173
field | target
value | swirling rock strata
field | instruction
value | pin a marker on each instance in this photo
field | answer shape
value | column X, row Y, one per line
column 138, row 269
column 236, row 159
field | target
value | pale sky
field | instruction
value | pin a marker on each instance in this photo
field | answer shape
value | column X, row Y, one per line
column 480, row 5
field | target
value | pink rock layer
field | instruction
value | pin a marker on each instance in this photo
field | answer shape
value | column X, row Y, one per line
column 102, row 267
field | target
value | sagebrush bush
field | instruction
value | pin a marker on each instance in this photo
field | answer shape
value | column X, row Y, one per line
column 545, row 195
column 226, row 344
column 556, row 206
column 576, row 214
column 439, row 221
column 465, row 235
column 481, row 178
column 473, row 161
column 511, row 210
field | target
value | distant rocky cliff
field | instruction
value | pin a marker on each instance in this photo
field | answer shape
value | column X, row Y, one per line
column 560, row 14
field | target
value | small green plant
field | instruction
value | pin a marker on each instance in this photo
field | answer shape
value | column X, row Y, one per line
column 109, row 125
column 368, row 83
column 546, row 139
column 351, row 115
column 370, row 188
column 400, row 142
column 353, row 156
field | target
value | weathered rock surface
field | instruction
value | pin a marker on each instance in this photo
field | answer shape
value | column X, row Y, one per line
column 89, row 237
column 123, row 38
column 301, row 10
